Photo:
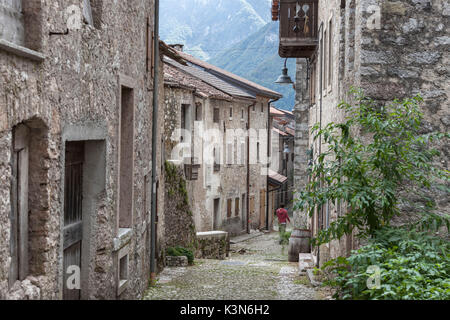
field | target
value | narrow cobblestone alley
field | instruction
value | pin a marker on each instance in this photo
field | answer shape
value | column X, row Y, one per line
column 257, row 269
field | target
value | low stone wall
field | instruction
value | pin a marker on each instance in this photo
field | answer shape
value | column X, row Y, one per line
column 176, row 262
column 212, row 245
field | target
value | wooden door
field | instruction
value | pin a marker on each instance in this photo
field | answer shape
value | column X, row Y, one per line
column 262, row 208
column 216, row 214
column 251, row 207
column 19, row 212
column 73, row 215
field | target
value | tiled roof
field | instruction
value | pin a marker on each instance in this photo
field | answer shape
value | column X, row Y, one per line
column 275, row 112
column 276, row 177
column 279, row 132
column 290, row 131
column 216, row 70
column 212, row 80
column 174, row 76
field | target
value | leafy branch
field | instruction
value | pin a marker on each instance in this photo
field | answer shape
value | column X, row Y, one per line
column 368, row 160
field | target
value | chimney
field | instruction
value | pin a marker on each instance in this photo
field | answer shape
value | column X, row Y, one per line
column 178, row 46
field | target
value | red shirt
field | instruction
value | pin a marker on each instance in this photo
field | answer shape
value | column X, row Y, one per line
column 282, row 215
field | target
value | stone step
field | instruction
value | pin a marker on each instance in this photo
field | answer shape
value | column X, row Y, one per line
column 305, row 262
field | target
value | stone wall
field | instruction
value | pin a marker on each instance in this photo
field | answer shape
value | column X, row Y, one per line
column 212, row 245
column 77, row 84
column 259, row 122
column 399, row 53
column 178, row 215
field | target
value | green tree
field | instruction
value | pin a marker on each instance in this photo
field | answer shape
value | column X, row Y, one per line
column 367, row 161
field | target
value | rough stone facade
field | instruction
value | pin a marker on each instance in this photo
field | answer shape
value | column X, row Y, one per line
column 208, row 127
column 281, row 159
column 69, row 87
column 389, row 49
column 178, row 215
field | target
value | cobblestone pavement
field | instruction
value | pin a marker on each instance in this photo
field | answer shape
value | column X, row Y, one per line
column 257, row 269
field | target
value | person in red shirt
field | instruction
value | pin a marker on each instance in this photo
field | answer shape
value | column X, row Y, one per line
column 283, row 217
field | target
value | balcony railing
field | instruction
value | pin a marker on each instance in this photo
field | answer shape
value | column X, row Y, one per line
column 298, row 28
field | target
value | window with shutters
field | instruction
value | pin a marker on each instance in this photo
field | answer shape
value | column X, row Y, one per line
column 29, row 212
column 243, row 152
column 330, row 54
column 257, row 153
column 313, row 80
column 325, row 60
column 198, row 112
column 21, row 23
column 216, row 115
column 150, row 48
column 229, row 153
column 236, row 207
column 229, row 208
column 126, row 158
column 216, row 155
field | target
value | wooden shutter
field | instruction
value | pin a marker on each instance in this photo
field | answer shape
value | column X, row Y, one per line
column 19, row 212
column 262, row 208
column 216, row 115
column 229, row 204
column 229, row 153
column 236, row 207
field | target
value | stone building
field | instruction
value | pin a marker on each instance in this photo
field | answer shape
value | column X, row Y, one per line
column 75, row 139
column 283, row 156
column 216, row 127
column 389, row 49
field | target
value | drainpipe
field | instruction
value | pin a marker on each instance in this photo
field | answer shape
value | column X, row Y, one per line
column 269, row 132
column 154, row 148
column 320, row 117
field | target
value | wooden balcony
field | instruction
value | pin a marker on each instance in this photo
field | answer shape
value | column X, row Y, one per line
column 298, row 28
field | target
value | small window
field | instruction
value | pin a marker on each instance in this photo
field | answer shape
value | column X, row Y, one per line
column 257, row 152
column 236, row 207
column 231, row 113
column 262, row 107
column 325, row 52
column 242, row 114
column 229, row 207
column 216, row 116
column 198, row 112
column 330, row 53
column 243, row 151
column 253, row 108
column 229, row 153
column 216, row 156
column 123, row 270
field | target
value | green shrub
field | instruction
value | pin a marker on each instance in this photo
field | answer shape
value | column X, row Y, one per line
column 285, row 237
column 180, row 251
column 366, row 163
column 413, row 266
